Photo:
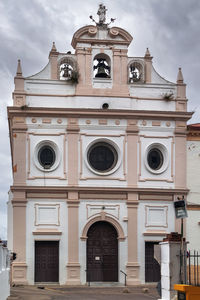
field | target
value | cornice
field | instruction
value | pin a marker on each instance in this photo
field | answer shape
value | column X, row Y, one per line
column 193, row 206
column 86, row 113
column 103, row 190
column 193, row 135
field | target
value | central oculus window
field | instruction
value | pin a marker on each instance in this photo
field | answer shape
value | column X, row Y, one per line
column 102, row 157
column 46, row 156
column 155, row 159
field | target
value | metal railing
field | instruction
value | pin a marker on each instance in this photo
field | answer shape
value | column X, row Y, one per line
column 191, row 267
column 125, row 275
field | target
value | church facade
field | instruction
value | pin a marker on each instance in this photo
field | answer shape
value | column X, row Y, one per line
column 98, row 144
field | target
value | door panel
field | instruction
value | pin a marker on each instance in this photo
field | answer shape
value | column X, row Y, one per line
column 46, row 261
column 102, row 253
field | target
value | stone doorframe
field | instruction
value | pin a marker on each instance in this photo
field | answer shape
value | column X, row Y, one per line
column 103, row 217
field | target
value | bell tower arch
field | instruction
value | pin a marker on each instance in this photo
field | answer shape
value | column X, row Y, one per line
column 102, row 59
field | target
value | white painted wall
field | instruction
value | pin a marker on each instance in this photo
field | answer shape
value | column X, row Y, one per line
column 153, row 216
column 96, row 102
column 4, row 273
column 32, row 225
column 170, row 268
column 48, row 223
column 115, row 133
column 193, row 171
column 162, row 136
column 193, row 230
column 193, row 177
column 40, row 133
column 118, row 216
column 45, row 73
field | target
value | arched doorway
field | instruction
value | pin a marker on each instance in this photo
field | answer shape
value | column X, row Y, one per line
column 102, row 252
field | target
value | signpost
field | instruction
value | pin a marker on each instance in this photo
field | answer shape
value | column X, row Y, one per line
column 181, row 213
column 180, row 208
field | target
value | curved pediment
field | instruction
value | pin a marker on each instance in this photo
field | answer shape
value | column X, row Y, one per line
column 101, row 34
column 115, row 32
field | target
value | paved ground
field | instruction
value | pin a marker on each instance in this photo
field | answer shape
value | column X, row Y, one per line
column 82, row 293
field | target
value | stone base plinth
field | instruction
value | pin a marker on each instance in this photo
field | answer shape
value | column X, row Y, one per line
column 19, row 270
column 73, row 274
column 132, row 270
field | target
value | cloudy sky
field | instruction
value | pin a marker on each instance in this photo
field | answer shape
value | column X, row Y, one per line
column 169, row 28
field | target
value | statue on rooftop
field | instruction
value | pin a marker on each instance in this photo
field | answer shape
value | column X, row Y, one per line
column 102, row 16
column 102, row 13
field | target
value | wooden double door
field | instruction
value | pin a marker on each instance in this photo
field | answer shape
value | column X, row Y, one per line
column 102, row 252
column 46, row 261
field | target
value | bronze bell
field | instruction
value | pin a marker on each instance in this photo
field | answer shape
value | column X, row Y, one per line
column 101, row 69
column 66, row 71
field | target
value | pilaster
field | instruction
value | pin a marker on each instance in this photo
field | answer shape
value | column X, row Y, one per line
column 73, row 265
column 120, row 61
column 19, row 266
column 132, row 141
column 132, row 266
column 84, row 60
column 18, row 139
column 73, row 138
column 180, row 154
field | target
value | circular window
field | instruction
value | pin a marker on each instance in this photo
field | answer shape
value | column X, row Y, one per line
column 46, row 156
column 102, row 157
column 155, row 159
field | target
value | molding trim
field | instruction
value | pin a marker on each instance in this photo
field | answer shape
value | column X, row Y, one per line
column 155, row 233
column 104, row 217
column 97, row 113
column 47, row 231
column 101, row 190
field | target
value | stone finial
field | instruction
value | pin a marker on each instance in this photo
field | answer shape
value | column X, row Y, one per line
column 19, row 93
column 19, row 69
column 180, row 76
column 53, row 49
column 147, row 53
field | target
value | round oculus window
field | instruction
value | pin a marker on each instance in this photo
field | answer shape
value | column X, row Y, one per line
column 102, row 157
column 155, row 159
column 46, row 156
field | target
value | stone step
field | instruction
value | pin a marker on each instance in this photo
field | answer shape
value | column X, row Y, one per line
column 106, row 284
column 13, row 297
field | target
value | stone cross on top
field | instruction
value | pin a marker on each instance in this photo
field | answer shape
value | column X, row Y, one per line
column 102, row 15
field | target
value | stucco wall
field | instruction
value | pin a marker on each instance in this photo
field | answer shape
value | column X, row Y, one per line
column 193, row 175
column 4, row 273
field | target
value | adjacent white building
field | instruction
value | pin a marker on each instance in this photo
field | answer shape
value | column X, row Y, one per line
column 193, row 175
column 98, row 143
column 4, row 271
